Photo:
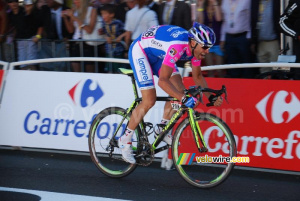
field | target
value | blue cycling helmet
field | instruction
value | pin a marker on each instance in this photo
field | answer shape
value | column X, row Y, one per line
column 202, row 34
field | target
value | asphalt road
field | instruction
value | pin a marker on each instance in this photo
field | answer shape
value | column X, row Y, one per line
column 30, row 176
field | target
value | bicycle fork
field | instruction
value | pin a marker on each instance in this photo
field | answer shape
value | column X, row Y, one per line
column 197, row 133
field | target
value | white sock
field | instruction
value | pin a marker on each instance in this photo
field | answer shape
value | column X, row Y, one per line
column 126, row 138
column 164, row 121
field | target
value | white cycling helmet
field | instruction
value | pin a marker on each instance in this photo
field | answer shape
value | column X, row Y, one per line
column 202, row 34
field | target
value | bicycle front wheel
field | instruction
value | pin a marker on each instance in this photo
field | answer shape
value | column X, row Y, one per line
column 208, row 169
column 103, row 146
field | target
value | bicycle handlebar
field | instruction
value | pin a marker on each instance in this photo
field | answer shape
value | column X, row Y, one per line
column 198, row 91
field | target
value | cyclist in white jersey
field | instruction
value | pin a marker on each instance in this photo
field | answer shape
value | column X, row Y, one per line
column 156, row 52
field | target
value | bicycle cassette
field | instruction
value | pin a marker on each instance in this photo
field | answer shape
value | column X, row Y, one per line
column 144, row 153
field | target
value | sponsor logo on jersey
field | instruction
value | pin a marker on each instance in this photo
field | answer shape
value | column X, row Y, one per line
column 154, row 42
column 170, row 29
column 177, row 33
column 143, row 70
column 172, row 52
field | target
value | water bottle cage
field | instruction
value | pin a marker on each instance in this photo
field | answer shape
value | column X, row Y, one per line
column 159, row 128
column 148, row 128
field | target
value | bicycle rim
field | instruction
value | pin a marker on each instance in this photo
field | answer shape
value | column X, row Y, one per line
column 100, row 135
column 200, row 169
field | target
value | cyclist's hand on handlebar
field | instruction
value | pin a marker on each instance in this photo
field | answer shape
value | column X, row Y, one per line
column 218, row 102
column 190, row 102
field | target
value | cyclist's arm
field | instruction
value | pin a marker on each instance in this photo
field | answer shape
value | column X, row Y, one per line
column 200, row 81
column 198, row 78
column 166, row 85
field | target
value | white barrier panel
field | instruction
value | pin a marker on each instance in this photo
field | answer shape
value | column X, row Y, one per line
column 54, row 109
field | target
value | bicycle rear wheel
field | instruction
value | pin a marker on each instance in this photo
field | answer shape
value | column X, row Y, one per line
column 200, row 169
column 104, row 149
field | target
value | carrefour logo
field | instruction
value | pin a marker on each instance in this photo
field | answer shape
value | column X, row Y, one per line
column 86, row 92
column 274, row 105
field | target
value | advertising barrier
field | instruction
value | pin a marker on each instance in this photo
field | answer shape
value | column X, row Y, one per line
column 264, row 117
column 55, row 109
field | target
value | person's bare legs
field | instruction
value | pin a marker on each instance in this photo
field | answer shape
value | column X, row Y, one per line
column 76, row 67
column 176, row 80
column 90, row 68
column 167, row 161
column 148, row 101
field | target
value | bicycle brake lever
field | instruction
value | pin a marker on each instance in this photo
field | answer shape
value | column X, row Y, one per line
column 200, row 94
column 225, row 92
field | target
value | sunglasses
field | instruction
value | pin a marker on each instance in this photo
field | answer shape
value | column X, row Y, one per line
column 205, row 47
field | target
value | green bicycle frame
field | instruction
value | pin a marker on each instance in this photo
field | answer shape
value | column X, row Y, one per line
column 198, row 136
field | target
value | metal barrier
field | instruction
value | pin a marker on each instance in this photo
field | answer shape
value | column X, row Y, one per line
column 93, row 59
column 249, row 65
column 55, row 49
column 4, row 65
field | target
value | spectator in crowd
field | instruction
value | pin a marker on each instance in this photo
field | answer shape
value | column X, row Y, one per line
column 3, row 20
column 138, row 20
column 209, row 13
column 28, row 28
column 235, row 35
column 265, row 30
column 114, row 30
column 84, row 22
column 123, row 8
column 41, row 3
column 174, row 12
column 153, row 6
column 54, row 29
column 290, row 25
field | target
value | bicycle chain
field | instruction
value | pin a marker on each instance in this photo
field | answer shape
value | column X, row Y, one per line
column 143, row 149
column 145, row 152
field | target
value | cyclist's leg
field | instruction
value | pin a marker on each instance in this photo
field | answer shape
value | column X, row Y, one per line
column 176, row 80
column 148, row 101
column 144, row 76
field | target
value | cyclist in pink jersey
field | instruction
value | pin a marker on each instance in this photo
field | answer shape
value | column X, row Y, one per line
column 156, row 52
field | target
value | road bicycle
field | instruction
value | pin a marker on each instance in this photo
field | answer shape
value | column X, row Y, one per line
column 198, row 137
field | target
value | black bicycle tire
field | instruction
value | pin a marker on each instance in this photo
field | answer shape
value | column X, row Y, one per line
column 184, row 123
column 101, row 115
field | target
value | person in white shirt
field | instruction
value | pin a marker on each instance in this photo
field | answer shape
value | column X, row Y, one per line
column 236, row 34
column 138, row 20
